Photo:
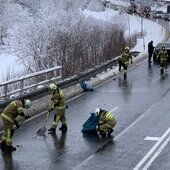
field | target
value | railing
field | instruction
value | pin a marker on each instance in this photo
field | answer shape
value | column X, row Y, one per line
column 29, row 83
column 40, row 92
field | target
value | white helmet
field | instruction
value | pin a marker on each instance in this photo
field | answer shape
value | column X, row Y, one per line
column 27, row 103
column 52, row 87
column 97, row 111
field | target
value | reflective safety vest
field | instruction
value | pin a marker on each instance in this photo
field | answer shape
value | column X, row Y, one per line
column 163, row 55
column 104, row 117
column 58, row 99
column 125, row 57
column 11, row 111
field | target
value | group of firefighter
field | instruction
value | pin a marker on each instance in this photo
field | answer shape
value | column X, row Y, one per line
column 106, row 121
column 162, row 57
column 17, row 108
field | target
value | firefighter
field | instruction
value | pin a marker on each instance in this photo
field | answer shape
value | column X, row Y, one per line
column 106, row 122
column 9, row 115
column 124, row 60
column 58, row 103
column 163, row 58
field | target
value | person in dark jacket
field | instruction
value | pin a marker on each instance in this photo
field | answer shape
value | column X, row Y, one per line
column 150, row 51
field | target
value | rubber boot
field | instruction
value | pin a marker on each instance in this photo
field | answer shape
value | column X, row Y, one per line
column 125, row 75
column 2, row 144
column 103, row 134
column 109, row 133
column 161, row 71
column 52, row 130
column 9, row 148
column 63, row 128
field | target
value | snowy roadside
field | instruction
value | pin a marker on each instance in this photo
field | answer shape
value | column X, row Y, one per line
column 41, row 104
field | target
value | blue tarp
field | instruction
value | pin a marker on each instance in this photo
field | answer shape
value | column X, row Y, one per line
column 85, row 86
column 90, row 124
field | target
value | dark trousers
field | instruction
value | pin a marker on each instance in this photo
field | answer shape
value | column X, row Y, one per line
column 163, row 64
column 122, row 64
column 149, row 57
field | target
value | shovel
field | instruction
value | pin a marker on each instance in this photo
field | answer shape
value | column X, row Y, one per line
column 42, row 130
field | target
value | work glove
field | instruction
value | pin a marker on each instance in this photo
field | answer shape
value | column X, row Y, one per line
column 27, row 116
column 16, row 124
column 50, row 108
column 55, row 105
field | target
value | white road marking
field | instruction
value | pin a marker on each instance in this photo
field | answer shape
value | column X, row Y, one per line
column 157, row 154
column 144, row 159
column 141, row 62
column 130, row 126
column 152, row 138
column 114, row 109
column 116, row 137
column 154, row 81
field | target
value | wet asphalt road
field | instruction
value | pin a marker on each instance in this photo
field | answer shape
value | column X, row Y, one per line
column 141, row 137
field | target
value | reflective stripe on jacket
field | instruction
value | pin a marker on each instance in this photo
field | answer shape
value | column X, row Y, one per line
column 7, row 117
column 126, row 56
column 14, row 109
column 58, row 99
column 104, row 117
column 163, row 55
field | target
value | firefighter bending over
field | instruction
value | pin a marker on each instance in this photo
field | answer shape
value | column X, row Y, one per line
column 163, row 58
column 124, row 60
column 58, row 103
column 9, row 115
column 106, row 122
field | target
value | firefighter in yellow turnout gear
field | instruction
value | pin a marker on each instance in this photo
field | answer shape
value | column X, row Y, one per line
column 163, row 57
column 9, row 115
column 106, row 122
column 124, row 60
column 58, row 103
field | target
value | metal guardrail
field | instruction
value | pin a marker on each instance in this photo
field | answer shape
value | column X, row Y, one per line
column 29, row 83
column 38, row 93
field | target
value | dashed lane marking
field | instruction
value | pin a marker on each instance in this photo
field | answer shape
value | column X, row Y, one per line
column 114, row 109
column 152, row 138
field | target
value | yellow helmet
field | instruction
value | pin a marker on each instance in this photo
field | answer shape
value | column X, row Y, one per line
column 163, row 47
column 127, row 48
column 53, row 87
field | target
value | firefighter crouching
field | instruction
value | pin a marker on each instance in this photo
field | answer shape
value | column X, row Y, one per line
column 58, row 103
column 163, row 58
column 106, row 122
column 124, row 60
column 9, row 115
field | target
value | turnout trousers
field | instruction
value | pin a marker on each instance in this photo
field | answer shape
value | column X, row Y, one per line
column 59, row 116
column 8, row 132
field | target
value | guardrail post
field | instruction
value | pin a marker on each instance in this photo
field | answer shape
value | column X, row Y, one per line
column 5, row 90
column 60, row 73
column 21, row 85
